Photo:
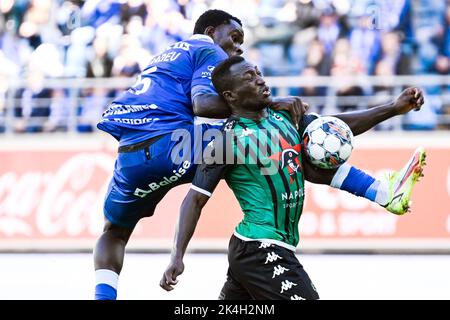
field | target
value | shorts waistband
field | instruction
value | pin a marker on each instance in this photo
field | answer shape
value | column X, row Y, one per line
column 139, row 146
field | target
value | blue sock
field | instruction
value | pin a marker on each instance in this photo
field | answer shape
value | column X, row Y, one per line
column 105, row 292
column 106, row 284
column 359, row 183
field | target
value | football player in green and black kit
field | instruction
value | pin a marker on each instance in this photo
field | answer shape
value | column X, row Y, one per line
column 259, row 153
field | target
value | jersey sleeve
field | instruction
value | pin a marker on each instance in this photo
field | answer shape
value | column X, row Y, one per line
column 213, row 168
column 205, row 60
column 306, row 120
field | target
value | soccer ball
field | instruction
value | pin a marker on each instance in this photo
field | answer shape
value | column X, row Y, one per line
column 328, row 142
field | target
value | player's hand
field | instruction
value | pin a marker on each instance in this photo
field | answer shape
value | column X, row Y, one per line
column 169, row 278
column 296, row 107
column 410, row 99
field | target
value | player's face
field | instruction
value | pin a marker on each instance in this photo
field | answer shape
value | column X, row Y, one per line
column 249, row 88
column 230, row 38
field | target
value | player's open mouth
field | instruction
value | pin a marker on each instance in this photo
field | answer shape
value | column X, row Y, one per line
column 266, row 92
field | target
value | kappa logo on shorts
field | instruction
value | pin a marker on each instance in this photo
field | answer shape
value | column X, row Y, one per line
column 286, row 285
column 265, row 245
column 164, row 182
column 271, row 257
column 278, row 270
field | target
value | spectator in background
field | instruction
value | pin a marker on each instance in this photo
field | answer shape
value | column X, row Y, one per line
column 427, row 19
column 68, row 17
column 442, row 41
column 126, row 63
column 427, row 118
column 391, row 55
column 365, row 42
column 345, row 67
column 317, row 59
column 107, row 38
column 330, row 29
column 59, row 112
column 33, row 109
column 311, row 91
column 92, row 106
column 132, row 8
column 13, row 12
column 97, row 12
column 100, row 64
column 37, row 26
column 8, row 70
column 78, row 52
column 385, row 91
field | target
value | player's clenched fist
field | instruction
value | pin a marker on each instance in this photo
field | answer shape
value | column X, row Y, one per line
column 410, row 99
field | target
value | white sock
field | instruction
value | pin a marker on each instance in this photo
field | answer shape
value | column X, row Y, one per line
column 106, row 276
column 382, row 196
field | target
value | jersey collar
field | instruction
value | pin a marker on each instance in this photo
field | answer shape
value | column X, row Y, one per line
column 202, row 37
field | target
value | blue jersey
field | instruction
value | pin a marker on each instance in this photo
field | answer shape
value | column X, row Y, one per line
column 161, row 99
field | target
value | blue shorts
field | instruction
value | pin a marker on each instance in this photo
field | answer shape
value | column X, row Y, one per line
column 142, row 177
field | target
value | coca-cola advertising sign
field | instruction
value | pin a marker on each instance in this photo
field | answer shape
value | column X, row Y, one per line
column 52, row 194
column 52, row 197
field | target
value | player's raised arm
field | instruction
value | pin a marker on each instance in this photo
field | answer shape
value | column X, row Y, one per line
column 363, row 120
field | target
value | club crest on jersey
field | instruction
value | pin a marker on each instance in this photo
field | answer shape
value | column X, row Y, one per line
column 288, row 157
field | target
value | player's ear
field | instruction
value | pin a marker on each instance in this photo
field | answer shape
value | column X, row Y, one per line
column 228, row 96
column 209, row 31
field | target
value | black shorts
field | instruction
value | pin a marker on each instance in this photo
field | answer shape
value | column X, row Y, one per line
column 260, row 270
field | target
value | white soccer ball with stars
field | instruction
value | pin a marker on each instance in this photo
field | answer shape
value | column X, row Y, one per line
column 328, row 142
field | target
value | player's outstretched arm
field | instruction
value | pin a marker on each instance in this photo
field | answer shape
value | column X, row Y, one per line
column 363, row 120
column 187, row 222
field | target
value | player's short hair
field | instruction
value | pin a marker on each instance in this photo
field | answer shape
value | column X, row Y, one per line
column 213, row 18
column 221, row 74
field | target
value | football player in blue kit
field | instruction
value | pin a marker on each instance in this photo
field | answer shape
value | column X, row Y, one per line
column 169, row 93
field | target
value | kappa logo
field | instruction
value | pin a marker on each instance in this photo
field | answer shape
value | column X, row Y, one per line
column 229, row 125
column 246, row 132
column 278, row 270
column 265, row 245
column 286, row 285
column 271, row 257
column 277, row 117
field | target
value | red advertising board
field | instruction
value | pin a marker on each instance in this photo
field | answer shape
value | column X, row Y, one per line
column 51, row 197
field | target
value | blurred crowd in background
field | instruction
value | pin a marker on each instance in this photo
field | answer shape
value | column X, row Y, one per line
column 41, row 39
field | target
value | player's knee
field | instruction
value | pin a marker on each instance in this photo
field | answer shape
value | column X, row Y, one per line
column 117, row 232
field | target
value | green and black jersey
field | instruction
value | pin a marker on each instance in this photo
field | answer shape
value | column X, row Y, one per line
column 262, row 163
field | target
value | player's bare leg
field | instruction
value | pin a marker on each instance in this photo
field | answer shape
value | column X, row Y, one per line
column 109, row 254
